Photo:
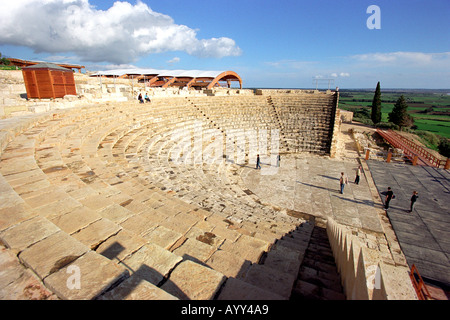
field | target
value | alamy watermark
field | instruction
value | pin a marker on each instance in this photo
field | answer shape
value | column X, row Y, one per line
column 374, row 21
column 373, row 277
column 74, row 280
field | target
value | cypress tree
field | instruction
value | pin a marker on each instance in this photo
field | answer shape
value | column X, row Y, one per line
column 376, row 105
column 399, row 114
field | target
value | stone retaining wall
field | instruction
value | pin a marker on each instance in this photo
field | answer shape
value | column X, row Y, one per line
column 367, row 270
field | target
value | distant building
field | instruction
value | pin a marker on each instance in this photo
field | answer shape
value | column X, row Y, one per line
column 175, row 78
column 26, row 63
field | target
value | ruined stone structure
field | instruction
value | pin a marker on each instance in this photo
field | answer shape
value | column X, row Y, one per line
column 113, row 191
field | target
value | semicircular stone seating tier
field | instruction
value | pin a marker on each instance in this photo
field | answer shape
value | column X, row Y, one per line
column 114, row 192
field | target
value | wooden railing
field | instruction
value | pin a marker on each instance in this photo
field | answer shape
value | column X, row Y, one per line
column 417, row 154
column 418, row 284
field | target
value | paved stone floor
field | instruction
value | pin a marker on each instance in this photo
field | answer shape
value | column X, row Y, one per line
column 310, row 184
column 424, row 234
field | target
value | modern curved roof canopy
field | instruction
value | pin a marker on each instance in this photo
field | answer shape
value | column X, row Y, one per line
column 180, row 78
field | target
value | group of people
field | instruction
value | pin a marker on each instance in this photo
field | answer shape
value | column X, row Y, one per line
column 344, row 180
column 146, row 97
column 389, row 194
column 258, row 161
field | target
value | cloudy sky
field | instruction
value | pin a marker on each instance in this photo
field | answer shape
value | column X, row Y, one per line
column 270, row 43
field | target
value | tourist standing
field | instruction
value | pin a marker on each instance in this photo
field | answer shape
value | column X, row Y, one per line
column 389, row 197
column 278, row 160
column 258, row 162
column 414, row 197
column 358, row 174
column 342, row 182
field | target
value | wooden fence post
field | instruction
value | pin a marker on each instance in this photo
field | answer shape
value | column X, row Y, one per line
column 367, row 154
column 389, row 156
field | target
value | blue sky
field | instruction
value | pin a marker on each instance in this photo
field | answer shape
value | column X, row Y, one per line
column 283, row 43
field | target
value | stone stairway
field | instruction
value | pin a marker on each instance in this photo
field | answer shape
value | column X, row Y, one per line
column 318, row 278
column 306, row 121
column 95, row 190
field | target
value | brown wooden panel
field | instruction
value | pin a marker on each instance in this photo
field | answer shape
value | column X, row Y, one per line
column 71, row 90
column 57, row 77
column 45, row 84
column 30, row 84
column 59, row 90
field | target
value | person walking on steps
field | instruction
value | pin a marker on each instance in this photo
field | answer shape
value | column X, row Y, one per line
column 342, row 182
column 258, row 162
column 358, row 174
column 414, row 197
column 389, row 197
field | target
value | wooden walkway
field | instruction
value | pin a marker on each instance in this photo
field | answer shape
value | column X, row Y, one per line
column 417, row 154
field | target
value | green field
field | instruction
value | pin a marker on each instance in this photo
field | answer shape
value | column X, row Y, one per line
column 437, row 121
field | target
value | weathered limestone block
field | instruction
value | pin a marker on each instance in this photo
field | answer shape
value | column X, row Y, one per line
column 75, row 220
column 191, row 281
column 52, row 253
column 121, row 245
column 143, row 222
column 46, row 198
column 115, row 213
column 18, row 282
column 163, row 237
column 24, row 234
column 228, row 263
column 284, row 259
column 97, row 232
column 194, row 250
column 86, row 278
column 135, row 288
column 152, row 263
column 247, row 247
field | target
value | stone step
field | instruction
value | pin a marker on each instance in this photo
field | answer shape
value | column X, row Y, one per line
column 318, row 277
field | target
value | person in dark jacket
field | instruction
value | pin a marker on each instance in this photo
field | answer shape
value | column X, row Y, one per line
column 389, row 197
column 414, row 197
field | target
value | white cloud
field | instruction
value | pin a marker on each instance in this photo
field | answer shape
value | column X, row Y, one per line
column 118, row 35
column 174, row 60
column 415, row 59
column 344, row 74
column 92, row 67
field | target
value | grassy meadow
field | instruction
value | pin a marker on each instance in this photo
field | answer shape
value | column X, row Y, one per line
column 430, row 109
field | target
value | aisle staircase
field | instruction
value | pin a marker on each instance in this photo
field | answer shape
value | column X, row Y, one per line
column 318, row 278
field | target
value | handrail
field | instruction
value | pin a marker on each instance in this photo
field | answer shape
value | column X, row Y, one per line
column 418, row 284
column 410, row 148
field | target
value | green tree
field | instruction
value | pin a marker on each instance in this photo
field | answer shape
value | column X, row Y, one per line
column 444, row 147
column 4, row 61
column 399, row 114
column 376, row 105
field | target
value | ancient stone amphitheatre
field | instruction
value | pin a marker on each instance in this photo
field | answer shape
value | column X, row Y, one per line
column 123, row 200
